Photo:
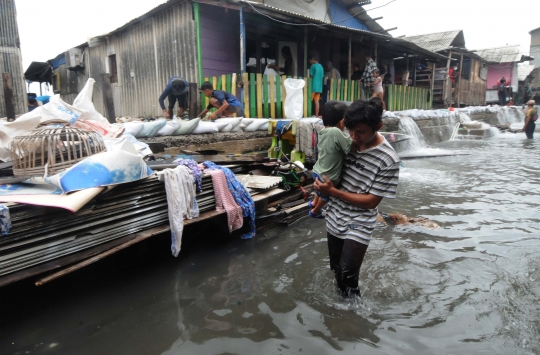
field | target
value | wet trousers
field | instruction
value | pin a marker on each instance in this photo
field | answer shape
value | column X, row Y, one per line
column 529, row 130
column 346, row 257
column 502, row 98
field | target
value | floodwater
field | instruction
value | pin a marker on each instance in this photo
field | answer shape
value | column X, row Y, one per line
column 469, row 287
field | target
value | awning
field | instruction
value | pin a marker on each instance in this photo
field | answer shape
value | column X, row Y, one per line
column 39, row 72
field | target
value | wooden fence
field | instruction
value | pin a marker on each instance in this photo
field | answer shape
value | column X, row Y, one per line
column 264, row 95
column 399, row 98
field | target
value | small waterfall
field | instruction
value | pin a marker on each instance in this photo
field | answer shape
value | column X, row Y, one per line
column 510, row 115
column 410, row 128
column 464, row 118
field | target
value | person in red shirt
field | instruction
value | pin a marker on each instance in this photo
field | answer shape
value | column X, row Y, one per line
column 453, row 73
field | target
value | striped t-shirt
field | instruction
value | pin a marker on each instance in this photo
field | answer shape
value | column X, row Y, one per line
column 373, row 171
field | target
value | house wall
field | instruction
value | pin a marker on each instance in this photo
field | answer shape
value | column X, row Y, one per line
column 220, row 40
column 473, row 91
column 147, row 55
column 342, row 16
column 10, row 58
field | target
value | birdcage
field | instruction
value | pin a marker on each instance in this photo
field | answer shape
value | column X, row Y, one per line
column 48, row 151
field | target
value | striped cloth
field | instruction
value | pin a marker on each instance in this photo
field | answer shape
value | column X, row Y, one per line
column 373, row 171
column 225, row 200
column 240, row 194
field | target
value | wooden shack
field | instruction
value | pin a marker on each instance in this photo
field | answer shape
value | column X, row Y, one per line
column 470, row 87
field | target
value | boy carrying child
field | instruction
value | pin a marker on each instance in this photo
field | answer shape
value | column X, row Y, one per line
column 332, row 147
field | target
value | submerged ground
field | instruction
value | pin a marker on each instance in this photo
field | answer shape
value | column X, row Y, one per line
column 471, row 286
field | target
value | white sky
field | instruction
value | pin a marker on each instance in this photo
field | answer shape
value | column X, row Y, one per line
column 48, row 28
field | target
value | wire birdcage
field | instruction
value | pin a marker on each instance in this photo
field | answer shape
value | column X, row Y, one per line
column 48, row 151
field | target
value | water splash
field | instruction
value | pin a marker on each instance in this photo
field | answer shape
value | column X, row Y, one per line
column 408, row 126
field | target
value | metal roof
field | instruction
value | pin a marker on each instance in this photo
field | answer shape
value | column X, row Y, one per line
column 378, row 37
column 439, row 41
column 504, row 54
column 536, row 29
column 363, row 16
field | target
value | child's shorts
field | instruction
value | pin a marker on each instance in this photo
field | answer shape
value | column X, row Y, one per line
column 321, row 196
column 315, row 96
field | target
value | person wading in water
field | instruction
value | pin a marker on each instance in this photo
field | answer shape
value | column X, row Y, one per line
column 369, row 174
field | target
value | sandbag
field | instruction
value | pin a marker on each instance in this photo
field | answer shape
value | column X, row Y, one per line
column 245, row 122
column 231, row 124
column 294, row 102
column 220, row 124
column 205, row 127
column 133, row 128
column 83, row 102
column 187, row 127
column 19, row 127
column 169, row 127
column 256, row 125
column 150, row 129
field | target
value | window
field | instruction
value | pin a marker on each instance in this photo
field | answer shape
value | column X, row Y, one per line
column 466, row 70
column 56, row 83
column 113, row 71
column 483, row 71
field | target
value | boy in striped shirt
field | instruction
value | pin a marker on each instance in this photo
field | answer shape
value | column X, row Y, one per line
column 370, row 173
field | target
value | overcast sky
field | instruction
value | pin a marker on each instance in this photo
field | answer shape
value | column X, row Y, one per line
column 48, row 28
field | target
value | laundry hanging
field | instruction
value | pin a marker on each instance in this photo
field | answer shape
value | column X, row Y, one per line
column 225, row 200
column 240, row 194
column 181, row 200
column 195, row 170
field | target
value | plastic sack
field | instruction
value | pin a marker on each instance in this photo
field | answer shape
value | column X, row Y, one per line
column 256, row 125
column 187, row 127
column 83, row 102
column 150, row 129
column 221, row 124
column 133, row 128
column 169, row 127
column 205, row 127
column 294, row 102
column 245, row 122
column 232, row 123
column 270, row 71
column 104, row 128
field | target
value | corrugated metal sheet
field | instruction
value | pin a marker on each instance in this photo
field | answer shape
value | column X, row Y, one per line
column 10, row 57
column 506, row 54
column 439, row 41
column 524, row 70
column 148, row 52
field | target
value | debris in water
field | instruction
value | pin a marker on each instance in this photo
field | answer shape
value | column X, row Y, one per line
column 222, row 312
column 291, row 258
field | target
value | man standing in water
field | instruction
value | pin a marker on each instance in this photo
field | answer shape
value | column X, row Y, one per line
column 369, row 174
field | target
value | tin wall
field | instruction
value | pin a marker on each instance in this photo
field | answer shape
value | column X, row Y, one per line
column 10, row 57
column 147, row 55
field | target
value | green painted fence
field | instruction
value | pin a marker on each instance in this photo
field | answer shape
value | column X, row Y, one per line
column 399, row 98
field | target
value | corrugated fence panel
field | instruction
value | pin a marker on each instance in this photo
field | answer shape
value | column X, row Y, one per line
column 95, row 67
column 10, row 58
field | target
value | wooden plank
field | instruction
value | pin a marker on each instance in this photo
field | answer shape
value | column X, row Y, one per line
column 8, row 95
column 265, row 96
column 342, row 89
column 219, row 84
column 351, row 98
column 228, row 83
column 252, row 95
column 284, row 94
column 245, row 79
column 345, row 90
column 259, row 96
column 205, row 99
column 272, row 89
column 138, row 237
column 305, row 93
column 279, row 112
column 309, row 85
column 107, row 97
column 233, row 84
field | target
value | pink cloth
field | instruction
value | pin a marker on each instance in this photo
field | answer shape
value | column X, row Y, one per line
column 225, row 200
column 106, row 129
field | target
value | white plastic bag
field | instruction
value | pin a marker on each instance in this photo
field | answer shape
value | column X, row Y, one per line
column 83, row 102
column 169, row 127
column 294, row 102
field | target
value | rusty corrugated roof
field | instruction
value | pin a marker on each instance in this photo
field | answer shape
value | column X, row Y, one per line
column 504, row 54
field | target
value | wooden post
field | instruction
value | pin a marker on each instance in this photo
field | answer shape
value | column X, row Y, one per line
column 446, row 81
column 193, row 96
column 349, row 73
column 459, row 81
column 8, row 96
column 306, row 71
column 108, row 97
column 414, row 72
column 432, row 85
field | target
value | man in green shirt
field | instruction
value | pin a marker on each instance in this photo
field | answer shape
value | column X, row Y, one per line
column 316, row 71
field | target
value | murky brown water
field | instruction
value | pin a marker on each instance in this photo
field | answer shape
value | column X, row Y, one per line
column 470, row 287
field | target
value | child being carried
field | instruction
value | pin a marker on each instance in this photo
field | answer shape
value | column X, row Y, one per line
column 333, row 145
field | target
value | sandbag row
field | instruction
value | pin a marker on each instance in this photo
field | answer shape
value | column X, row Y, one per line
column 176, row 127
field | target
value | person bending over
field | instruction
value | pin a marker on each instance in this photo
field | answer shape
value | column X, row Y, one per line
column 226, row 103
column 370, row 173
column 176, row 90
